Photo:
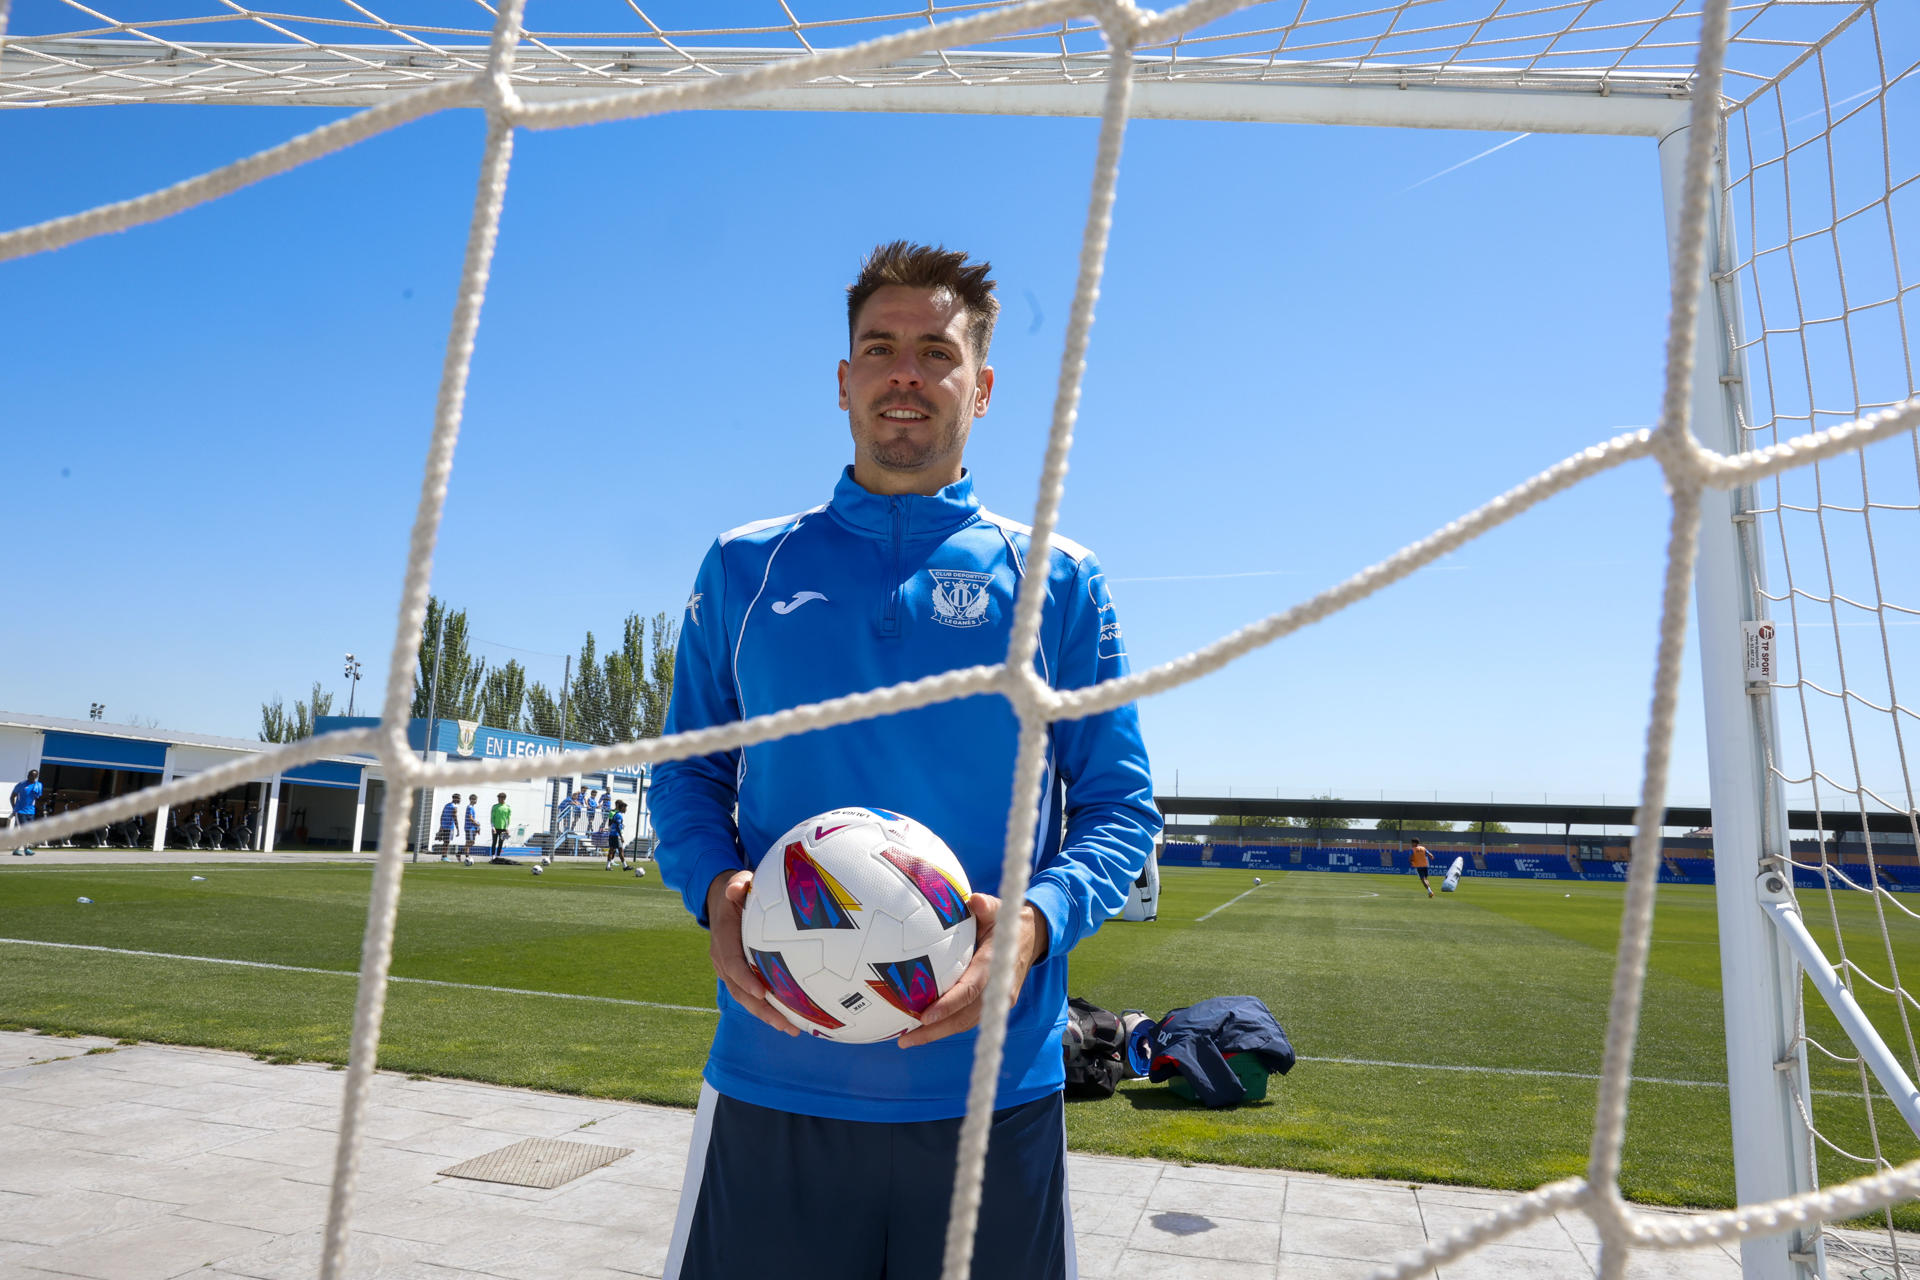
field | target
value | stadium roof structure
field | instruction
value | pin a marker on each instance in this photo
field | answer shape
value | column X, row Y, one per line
column 1414, row 812
column 1612, row 66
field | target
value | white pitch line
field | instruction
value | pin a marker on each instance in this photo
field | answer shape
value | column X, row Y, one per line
column 1533, row 1071
column 1223, row 906
column 349, row 973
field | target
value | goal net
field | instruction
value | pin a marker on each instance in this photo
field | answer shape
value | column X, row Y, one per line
column 1789, row 140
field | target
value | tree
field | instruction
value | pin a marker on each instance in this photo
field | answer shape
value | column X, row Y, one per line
column 461, row 674
column 1321, row 824
column 623, row 695
column 276, row 725
column 1408, row 824
column 1487, row 828
column 1260, row 820
column 503, row 692
column 543, row 712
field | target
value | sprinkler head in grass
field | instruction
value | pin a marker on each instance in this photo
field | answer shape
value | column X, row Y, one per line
column 196, row 877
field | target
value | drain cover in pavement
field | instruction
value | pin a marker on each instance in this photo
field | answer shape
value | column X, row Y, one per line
column 537, row 1162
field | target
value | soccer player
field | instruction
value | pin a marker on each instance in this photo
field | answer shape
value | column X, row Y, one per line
column 472, row 823
column 616, row 834
column 593, row 810
column 562, row 821
column 25, row 803
column 899, row 575
column 449, row 817
column 1420, row 860
column 502, row 819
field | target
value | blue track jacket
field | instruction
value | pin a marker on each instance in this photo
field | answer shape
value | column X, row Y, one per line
column 863, row 592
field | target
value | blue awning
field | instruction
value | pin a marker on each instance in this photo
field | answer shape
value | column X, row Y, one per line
column 99, row 751
column 325, row 773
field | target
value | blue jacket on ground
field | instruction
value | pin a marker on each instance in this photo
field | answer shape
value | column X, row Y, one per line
column 864, row 592
column 1196, row 1042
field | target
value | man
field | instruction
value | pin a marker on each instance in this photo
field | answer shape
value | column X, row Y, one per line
column 593, row 810
column 502, row 818
column 25, row 802
column 1420, row 860
column 901, row 575
column 617, row 834
column 472, row 824
column 449, row 818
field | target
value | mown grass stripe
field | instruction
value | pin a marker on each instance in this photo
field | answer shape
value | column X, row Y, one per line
column 349, row 973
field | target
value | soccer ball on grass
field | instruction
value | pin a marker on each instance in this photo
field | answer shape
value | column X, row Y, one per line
column 857, row 921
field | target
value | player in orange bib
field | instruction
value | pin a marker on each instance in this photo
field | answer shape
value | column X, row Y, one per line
column 1420, row 860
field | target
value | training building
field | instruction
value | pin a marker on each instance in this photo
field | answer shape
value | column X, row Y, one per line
column 328, row 804
column 332, row 803
column 544, row 818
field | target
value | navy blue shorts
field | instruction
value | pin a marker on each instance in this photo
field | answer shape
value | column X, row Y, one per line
column 803, row 1197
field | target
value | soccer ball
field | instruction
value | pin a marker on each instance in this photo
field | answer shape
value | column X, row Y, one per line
column 639, row 873
column 857, row 921
column 1256, row 879
column 536, row 868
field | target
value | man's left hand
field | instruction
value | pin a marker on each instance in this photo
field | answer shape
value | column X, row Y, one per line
column 959, row 1008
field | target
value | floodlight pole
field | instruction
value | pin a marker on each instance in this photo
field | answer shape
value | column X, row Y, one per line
column 1760, row 979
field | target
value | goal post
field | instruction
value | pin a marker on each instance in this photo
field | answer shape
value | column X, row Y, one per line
column 1470, row 74
column 1759, row 978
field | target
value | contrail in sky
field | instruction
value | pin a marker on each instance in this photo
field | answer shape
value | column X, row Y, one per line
column 1464, row 163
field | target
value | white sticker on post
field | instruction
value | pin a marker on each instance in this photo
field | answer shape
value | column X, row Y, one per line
column 1760, row 663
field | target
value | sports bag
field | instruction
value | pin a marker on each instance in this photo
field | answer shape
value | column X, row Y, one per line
column 1095, row 1046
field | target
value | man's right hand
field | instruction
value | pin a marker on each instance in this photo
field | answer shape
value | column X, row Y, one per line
column 726, row 897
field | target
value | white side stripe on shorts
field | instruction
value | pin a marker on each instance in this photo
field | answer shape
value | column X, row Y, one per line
column 690, row 1183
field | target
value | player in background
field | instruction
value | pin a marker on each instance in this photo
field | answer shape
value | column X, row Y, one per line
column 562, row 820
column 502, row 819
column 449, row 818
column 472, row 823
column 857, row 1142
column 1421, row 858
column 593, row 810
column 617, row 834
column 26, row 805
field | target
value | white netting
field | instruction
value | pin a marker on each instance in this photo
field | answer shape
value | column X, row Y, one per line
column 1604, row 47
column 1821, row 187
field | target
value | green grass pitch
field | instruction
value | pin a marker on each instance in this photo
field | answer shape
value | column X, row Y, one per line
column 1449, row 1040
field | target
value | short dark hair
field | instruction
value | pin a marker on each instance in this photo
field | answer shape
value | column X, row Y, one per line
column 919, row 266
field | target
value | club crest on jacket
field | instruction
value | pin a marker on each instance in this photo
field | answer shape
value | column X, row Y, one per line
column 960, row 598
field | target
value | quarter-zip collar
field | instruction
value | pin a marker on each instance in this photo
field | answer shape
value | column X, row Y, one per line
column 908, row 516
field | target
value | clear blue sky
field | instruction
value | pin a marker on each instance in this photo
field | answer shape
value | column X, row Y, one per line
column 214, row 425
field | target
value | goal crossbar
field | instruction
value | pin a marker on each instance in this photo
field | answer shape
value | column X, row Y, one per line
column 1620, row 102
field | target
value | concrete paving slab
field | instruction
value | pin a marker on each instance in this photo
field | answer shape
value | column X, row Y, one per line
column 154, row 1250
column 1209, row 1236
column 297, row 1257
column 60, row 1216
column 219, row 1166
column 1548, row 1233
column 1232, row 1200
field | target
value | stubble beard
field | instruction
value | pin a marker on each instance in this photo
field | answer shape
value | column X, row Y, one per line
column 903, row 452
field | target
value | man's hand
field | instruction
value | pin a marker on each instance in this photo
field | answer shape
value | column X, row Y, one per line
column 726, row 896
column 959, row 1008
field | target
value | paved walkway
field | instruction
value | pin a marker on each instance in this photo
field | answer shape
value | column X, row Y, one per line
column 144, row 1162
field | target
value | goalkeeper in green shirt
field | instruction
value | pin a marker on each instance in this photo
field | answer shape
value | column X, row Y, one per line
column 502, row 816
